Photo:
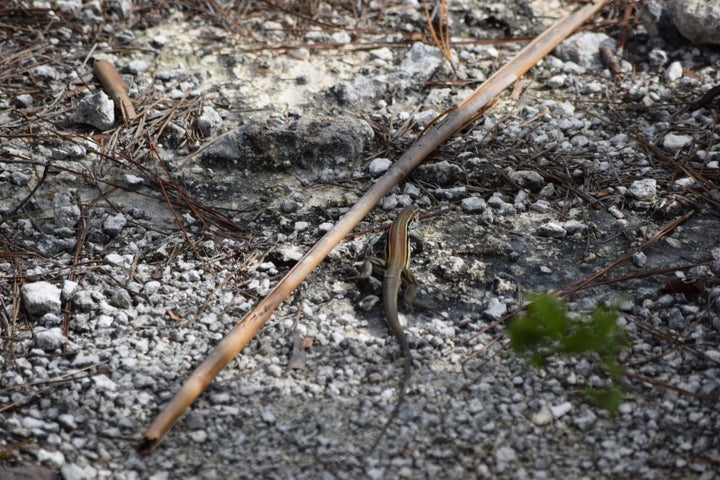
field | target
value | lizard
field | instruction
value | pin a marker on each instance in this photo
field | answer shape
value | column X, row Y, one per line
column 396, row 273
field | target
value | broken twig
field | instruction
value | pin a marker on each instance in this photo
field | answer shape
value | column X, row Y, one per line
column 114, row 85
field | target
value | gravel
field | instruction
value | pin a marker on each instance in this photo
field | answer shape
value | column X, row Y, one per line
column 273, row 136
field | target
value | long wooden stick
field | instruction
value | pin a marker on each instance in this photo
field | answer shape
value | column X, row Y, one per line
column 466, row 112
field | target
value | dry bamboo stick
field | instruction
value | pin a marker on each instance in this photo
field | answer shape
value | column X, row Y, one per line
column 114, row 85
column 466, row 112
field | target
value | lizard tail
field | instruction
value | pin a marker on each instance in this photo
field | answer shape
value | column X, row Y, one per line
column 407, row 373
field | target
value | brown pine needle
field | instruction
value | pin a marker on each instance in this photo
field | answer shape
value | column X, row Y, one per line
column 441, row 36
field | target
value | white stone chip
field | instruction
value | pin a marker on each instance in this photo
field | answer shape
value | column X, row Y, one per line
column 645, row 189
column 674, row 72
column 542, row 417
column 551, row 230
column 560, row 410
column 473, row 205
column 676, row 142
column 379, row 166
column 96, row 110
column 49, row 339
column 41, row 298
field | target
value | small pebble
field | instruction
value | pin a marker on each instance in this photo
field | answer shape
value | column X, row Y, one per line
column 543, row 417
column 379, row 166
column 96, row 110
column 114, row 224
column 639, row 259
column 209, row 122
column 560, row 410
column 473, row 204
column 551, row 230
column 674, row 72
column 40, row 298
column 23, row 100
column 49, row 339
column 675, row 142
column 645, row 189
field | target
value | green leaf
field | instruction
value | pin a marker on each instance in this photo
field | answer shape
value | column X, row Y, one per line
column 607, row 398
column 545, row 329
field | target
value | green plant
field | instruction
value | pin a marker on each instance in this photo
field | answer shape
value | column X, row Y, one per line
column 545, row 329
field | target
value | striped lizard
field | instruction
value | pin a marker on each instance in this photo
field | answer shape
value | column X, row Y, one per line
column 396, row 272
